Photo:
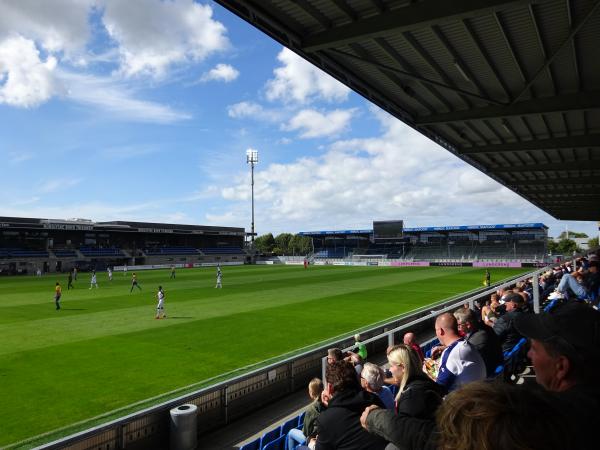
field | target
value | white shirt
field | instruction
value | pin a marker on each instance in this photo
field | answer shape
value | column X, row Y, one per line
column 461, row 364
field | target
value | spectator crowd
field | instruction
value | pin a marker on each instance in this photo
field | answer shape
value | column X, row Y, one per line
column 464, row 397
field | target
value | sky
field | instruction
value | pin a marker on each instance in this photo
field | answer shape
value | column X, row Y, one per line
column 143, row 110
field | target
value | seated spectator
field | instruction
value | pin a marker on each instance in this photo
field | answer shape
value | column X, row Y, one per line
column 482, row 415
column 483, row 339
column 488, row 312
column 572, row 285
column 309, row 429
column 339, row 424
column 361, row 349
column 460, row 363
column 410, row 341
column 565, row 353
column 371, row 380
column 356, row 361
column 504, row 326
column 333, row 355
column 418, row 395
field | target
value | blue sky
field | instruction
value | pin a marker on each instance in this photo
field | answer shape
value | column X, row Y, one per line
column 143, row 110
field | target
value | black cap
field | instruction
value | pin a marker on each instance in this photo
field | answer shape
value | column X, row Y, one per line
column 576, row 323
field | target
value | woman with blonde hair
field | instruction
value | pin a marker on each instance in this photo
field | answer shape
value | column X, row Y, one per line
column 418, row 396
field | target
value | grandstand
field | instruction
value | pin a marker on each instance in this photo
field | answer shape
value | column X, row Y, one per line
column 27, row 244
column 524, row 241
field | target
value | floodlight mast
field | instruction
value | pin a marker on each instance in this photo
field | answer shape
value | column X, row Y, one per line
column 252, row 158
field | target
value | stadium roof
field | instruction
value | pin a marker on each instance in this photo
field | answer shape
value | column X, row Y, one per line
column 506, row 226
column 510, row 87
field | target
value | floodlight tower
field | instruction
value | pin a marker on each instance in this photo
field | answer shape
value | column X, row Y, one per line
column 252, row 158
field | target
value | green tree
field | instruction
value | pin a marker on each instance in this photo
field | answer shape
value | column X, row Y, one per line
column 301, row 245
column 593, row 243
column 567, row 247
column 572, row 235
column 265, row 243
column 283, row 243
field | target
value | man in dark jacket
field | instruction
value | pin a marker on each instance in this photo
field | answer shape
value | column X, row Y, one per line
column 504, row 326
column 339, row 425
column 565, row 353
column 482, row 338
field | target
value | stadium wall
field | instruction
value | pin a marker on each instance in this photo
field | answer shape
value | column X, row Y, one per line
column 238, row 396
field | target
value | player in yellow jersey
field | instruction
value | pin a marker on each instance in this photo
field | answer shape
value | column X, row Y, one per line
column 57, row 294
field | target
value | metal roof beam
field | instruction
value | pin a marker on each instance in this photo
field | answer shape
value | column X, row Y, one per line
column 561, row 103
column 549, row 60
column 552, row 192
column 548, row 167
column 418, row 15
column 587, row 140
column 567, row 181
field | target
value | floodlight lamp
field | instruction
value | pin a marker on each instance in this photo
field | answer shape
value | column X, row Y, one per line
column 251, row 156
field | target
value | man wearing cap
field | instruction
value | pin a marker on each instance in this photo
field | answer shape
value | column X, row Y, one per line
column 504, row 325
column 565, row 353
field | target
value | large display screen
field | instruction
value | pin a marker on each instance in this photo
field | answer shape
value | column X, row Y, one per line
column 388, row 229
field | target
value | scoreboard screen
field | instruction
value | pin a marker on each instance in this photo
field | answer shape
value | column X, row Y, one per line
column 388, row 229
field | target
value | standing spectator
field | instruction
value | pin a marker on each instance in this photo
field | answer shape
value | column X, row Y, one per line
column 461, row 362
column 371, row 380
column 410, row 341
column 57, row 295
column 309, row 429
column 339, row 425
column 483, row 339
column 504, row 326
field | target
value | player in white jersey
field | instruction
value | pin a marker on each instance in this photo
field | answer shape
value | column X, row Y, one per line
column 109, row 271
column 219, row 279
column 94, row 281
column 160, row 307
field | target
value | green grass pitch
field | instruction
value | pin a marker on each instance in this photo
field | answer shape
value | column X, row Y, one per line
column 104, row 350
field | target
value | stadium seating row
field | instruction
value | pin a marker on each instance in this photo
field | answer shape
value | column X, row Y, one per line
column 275, row 439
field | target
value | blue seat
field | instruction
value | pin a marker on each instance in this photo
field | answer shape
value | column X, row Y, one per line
column 270, row 436
column 287, row 426
column 277, row 444
column 254, row 445
column 301, row 419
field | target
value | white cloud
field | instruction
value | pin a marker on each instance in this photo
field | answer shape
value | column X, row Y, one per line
column 400, row 174
column 58, row 25
column 117, row 99
column 297, row 80
column 25, row 80
column 313, row 124
column 221, row 72
column 15, row 158
column 59, row 184
column 153, row 35
column 254, row 111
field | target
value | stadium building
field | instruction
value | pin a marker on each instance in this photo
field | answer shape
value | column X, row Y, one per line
column 521, row 241
column 52, row 245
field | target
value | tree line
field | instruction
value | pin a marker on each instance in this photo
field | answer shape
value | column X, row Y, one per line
column 283, row 244
column 566, row 246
